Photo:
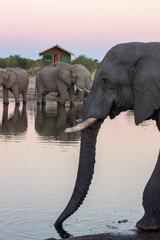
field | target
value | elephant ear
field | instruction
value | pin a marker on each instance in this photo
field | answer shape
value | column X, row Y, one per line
column 4, row 77
column 146, row 89
column 10, row 81
column 64, row 74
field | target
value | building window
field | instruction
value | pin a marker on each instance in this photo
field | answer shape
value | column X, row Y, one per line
column 48, row 58
column 65, row 59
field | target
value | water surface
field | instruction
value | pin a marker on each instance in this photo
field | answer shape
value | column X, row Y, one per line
column 38, row 167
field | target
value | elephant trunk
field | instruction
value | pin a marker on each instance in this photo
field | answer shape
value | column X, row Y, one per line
column 85, row 171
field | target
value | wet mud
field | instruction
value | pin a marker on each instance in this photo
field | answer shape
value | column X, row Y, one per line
column 129, row 235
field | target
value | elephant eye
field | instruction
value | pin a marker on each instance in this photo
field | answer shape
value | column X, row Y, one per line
column 104, row 80
column 107, row 84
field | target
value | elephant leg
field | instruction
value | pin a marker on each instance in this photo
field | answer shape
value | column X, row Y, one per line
column 44, row 98
column 151, row 202
column 16, row 95
column 39, row 96
column 24, row 94
column 62, row 88
column 5, row 96
column 71, row 93
column 5, row 112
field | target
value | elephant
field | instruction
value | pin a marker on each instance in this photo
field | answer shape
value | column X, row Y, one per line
column 59, row 64
column 15, row 80
column 62, row 78
column 128, row 78
column 16, row 124
column 83, row 83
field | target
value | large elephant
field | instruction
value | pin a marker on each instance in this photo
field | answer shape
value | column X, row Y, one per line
column 15, row 80
column 62, row 78
column 127, row 78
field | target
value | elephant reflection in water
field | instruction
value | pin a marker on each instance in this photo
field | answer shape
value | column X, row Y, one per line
column 16, row 124
column 51, row 124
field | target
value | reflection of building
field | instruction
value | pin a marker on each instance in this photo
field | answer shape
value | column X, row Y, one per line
column 54, row 54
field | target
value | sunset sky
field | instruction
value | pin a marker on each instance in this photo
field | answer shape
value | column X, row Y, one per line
column 89, row 27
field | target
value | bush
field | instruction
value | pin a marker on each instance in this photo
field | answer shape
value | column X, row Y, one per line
column 89, row 63
column 17, row 61
column 3, row 63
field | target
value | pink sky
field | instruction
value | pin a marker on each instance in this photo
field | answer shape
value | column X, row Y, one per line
column 87, row 27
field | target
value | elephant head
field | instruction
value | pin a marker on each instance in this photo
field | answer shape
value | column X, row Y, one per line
column 7, row 78
column 83, row 79
column 75, row 74
column 3, row 77
column 127, row 78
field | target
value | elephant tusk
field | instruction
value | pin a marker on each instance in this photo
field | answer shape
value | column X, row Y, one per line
column 79, row 89
column 86, row 90
column 81, row 126
column 79, row 120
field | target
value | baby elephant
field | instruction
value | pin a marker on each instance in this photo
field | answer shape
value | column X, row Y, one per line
column 16, row 80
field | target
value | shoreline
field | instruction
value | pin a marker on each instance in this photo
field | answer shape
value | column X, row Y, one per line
column 128, row 235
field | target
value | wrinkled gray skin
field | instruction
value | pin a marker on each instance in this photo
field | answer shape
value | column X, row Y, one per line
column 58, row 64
column 15, row 80
column 128, row 78
column 62, row 78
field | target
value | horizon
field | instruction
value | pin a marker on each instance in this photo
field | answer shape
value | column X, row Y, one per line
column 83, row 27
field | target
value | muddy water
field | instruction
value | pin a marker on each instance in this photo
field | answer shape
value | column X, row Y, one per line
column 38, row 165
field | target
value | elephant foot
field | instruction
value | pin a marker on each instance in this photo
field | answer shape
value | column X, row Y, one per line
column 5, row 103
column 149, row 223
column 17, row 104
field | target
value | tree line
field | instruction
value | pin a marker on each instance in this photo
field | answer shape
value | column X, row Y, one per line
column 17, row 61
column 25, row 63
column 90, row 63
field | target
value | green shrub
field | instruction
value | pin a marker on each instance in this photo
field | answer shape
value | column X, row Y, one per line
column 89, row 63
column 3, row 63
column 17, row 61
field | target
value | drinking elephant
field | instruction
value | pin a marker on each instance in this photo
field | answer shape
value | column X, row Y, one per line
column 83, row 76
column 15, row 80
column 127, row 78
column 62, row 78
column 83, row 83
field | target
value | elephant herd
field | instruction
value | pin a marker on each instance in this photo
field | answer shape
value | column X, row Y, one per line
column 69, row 82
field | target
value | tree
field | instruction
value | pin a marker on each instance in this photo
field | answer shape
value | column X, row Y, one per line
column 17, row 61
column 89, row 63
